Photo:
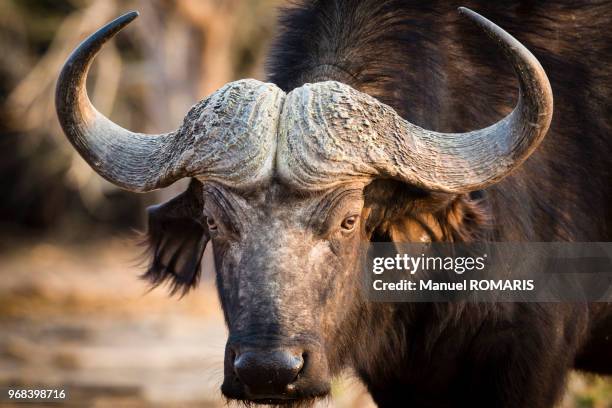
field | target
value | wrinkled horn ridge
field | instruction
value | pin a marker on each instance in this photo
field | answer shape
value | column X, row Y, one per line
column 331, row 132
column 328, row 132
column 229, row 136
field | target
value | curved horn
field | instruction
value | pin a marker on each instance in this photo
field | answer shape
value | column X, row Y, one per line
column 134, row 161
column 359, row 136
column 229, row 136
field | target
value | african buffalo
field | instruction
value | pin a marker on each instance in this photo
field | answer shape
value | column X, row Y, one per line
column 288, row 178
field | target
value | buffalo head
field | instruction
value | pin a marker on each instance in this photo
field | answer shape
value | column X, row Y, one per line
column 286, row 187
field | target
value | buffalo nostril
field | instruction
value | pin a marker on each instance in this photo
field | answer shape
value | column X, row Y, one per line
column 268, row 372
column 304, row 359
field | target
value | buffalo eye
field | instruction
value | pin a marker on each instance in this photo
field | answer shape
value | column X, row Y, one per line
column 348, row 224
column 211, row 224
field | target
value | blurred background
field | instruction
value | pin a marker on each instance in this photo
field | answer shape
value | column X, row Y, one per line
column 73, row 312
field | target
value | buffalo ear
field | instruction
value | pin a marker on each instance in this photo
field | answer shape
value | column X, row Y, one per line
column 176, row 239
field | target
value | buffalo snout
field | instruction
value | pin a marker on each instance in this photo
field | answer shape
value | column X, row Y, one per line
column 274, row 375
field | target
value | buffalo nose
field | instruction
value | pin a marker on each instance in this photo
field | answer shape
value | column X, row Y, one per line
column 268, row 372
